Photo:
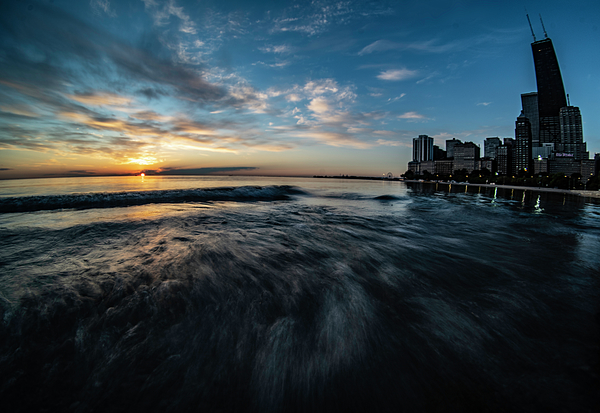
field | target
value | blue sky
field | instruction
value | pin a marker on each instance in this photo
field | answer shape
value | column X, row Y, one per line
column 272, row 88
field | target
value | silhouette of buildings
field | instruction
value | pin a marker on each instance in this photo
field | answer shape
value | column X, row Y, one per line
column 556, row 128
column 548, row 133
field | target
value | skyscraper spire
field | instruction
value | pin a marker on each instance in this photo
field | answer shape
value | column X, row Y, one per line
column 532, row 33
column 545, row 34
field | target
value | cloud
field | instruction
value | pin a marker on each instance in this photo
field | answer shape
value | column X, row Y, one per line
column 397, row 74
column 162, row 12
column 484, row 103
column 67, row 51
column 100, row 6
column 318, row 16
column 378, row 46
column 20, row 110
column 437, row 46
column 319, row 105
column 281, row 49
column 201, row 171
column 6, row 169
column 151, row 116
column 384, row 142
column 426, row 78
column 337, row 139
column 412, row 116
column 284, row 63
column 391, row 100
column 100, row 98
column 81, row 172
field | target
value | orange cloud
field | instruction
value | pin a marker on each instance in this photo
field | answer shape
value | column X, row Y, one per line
column 22, row 110
column 109, row 99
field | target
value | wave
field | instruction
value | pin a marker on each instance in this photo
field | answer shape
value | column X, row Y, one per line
column 386, row 198
column 121, row 199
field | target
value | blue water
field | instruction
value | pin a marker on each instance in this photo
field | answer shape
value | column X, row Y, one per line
column 295, row 294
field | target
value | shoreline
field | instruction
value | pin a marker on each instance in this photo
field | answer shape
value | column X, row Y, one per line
column 576, row 192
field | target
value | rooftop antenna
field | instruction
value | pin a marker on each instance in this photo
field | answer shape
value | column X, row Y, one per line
column 545, row 34
column 568, row 101
column 532, row 33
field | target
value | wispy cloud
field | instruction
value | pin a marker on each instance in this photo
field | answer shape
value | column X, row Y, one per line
column 99, row 98
column 412, row 116
column 428, row 77
column 397, row 74
column 319, row 15
column 198, row 171
column 20, row 110
column 385, row 142
column 338, row 139
column 484, row 103
column 394, row 99
column 162, row 12
column 379, row 46
column 100, row 6
column 281, row 64
column 278, row 49
column 436, row 45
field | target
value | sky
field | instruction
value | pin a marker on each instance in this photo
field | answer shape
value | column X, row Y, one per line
column 292, row 88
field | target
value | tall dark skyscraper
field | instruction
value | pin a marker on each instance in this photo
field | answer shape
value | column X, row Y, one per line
column 550, row 90
column 522, row 158
column 529, row 102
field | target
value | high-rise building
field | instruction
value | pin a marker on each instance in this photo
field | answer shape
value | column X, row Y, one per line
column 450, row 144
column 522, row 158
column 489, row 147
column 466, row 156
column 504, row 160
column 571, row 133
column 504, row 157
column 550, row 90
column 529, row 103
column 422, row 148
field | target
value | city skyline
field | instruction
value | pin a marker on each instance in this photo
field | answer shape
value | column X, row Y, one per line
column 259, row 88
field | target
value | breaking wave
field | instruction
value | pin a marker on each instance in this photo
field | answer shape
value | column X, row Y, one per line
column 122, row 199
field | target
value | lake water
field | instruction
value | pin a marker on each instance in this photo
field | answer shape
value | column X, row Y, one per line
column 253, row 294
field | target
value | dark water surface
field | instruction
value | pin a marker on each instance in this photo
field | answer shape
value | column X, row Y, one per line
column 306, row 295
